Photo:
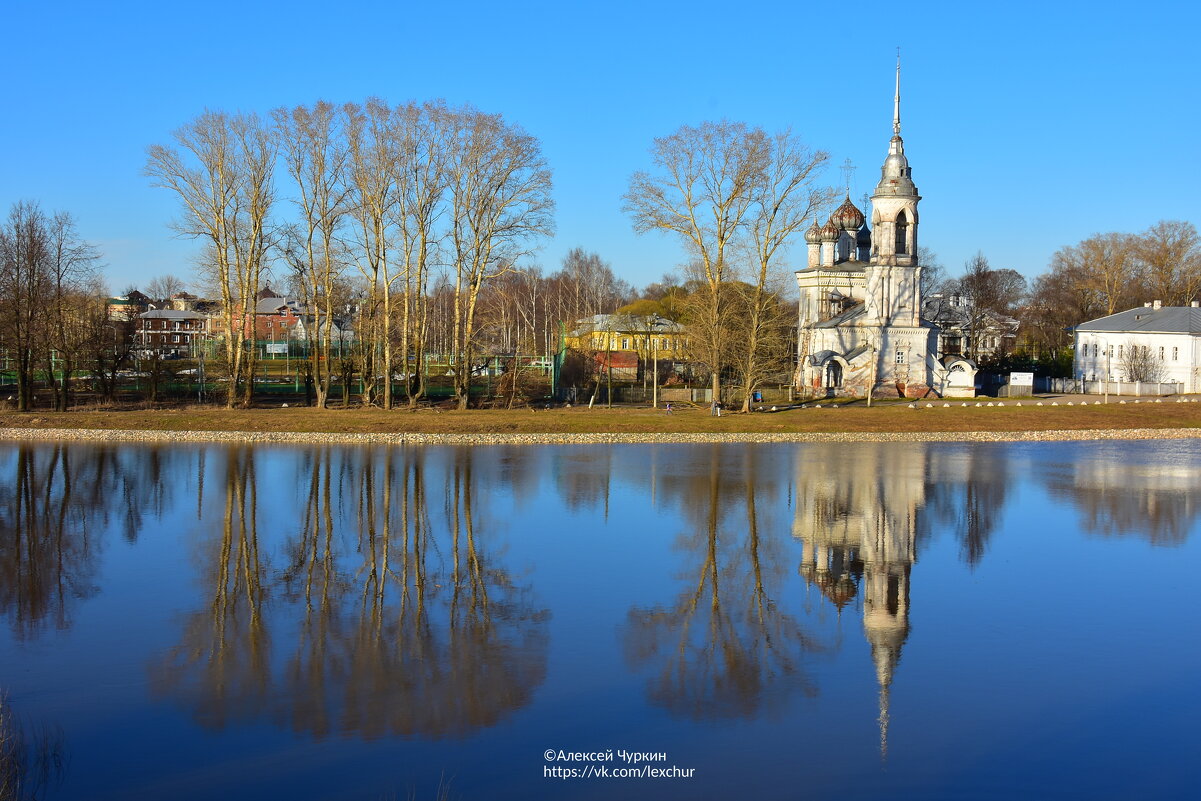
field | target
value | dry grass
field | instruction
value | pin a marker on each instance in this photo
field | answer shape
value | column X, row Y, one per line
column 854, row 418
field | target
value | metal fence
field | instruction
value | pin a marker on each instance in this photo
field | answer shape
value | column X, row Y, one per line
column 1082, row 387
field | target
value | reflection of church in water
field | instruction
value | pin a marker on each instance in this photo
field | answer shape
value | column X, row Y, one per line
column 856, row 517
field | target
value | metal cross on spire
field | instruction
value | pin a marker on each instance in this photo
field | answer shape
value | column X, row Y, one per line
column 896, row 102
column 848, row 169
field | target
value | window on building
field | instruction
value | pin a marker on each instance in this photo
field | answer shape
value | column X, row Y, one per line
column 900, row 356
column 625, row 343
column 902, row 227
column 1161, row 353
column 1175, row 354
column 1120, row 349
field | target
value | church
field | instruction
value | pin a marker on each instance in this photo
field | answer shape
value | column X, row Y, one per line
column 860, row 324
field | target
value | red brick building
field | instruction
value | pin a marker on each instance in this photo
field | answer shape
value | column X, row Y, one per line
column 169, row 333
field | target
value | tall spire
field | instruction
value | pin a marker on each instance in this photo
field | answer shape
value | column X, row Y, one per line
column 896, row 101
column 895, row 177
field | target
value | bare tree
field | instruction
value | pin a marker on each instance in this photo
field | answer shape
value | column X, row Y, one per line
column 72, row 270
column 373, row 172
column 934, row 274
column 1169, row 255
column 24, row 285
column 45, row 268
column 222, row 171
column 316, row 156
column 425, row 135
column 108, row 342
column 165, row 287
column 1058, row 301
column 1109, row 268
column 784, row 199
column 702, row 190
column 1142, row 362
column 986, row 294
column 500, row 188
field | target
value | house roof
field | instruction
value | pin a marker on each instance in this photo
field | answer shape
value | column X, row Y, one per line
column 170, row 314
column 953, row 317
column 625, row 324
column 854, row 353
column 618, row 358
column 1165, row 320
column 273, row 304
column 841, row 319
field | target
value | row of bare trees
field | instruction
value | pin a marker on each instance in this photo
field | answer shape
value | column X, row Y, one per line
column 391, row 198
column 1112, row 272
column 53, row 319
column 1102, row 275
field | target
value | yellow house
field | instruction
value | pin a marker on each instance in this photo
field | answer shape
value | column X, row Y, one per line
column 649, row 336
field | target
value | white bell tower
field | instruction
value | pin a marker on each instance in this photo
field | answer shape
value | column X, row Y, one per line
column 893, row 280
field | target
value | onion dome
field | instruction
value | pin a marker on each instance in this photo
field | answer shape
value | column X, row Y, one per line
column 814, row 234
column 830, row 232
column 847, row 217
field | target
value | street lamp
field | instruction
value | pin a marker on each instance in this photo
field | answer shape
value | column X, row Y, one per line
column 1108, row 355
column 871, row 381
column 655, row 375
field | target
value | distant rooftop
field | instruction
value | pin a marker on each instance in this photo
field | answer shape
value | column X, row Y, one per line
column 171, row 314
column 1164, row 320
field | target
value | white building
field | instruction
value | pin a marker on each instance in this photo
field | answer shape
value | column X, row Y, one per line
column 1150, row 344
column 860, row 323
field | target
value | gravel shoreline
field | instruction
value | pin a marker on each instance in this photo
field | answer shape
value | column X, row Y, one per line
column 103, row 435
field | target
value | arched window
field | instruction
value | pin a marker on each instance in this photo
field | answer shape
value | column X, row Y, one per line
column 833, row 374
column 902, row 227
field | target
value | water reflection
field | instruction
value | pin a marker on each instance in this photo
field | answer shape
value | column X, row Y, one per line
column 55, row 502
column 371, row 593
column 391, row 613
column 857, row 515
column 965, row 489
column 724, row 648
column 1124, row 491
column 33, row 759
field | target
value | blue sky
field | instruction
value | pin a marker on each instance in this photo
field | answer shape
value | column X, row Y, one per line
column 1029, row 126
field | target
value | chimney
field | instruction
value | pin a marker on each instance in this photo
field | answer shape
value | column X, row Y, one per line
column 1156, row 304
column 1147, row 305
column 1194, row 304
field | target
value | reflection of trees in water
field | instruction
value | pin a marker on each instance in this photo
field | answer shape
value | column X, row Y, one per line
column 55, row 500
column 1137, row 492
column 33, row 760
column 225, row 650
column 583, row 476
column 402, row 620
column 966, row 491
column 724, row 649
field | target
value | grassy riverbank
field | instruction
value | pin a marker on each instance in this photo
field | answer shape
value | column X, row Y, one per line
column 888, row 417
